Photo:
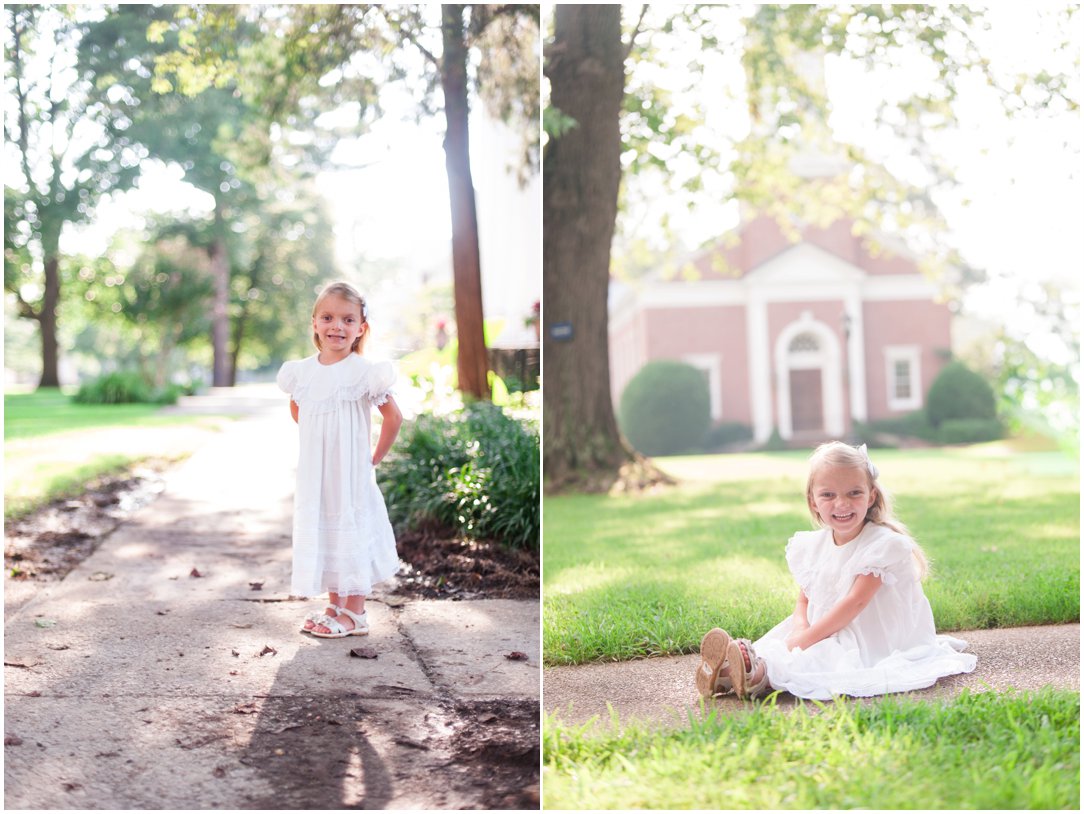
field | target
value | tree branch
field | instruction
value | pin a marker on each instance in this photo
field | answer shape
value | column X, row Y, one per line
column 635, row 31
column 25, row 309
column 409, row 37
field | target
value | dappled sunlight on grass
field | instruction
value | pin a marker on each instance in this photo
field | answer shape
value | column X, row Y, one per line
column 583, row 578
column 660, row 569
column 789, row 466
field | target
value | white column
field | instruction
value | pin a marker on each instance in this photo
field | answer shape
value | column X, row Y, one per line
column 760, row 366
column 856, row 356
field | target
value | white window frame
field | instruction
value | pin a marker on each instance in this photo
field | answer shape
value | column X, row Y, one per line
column 912, row 355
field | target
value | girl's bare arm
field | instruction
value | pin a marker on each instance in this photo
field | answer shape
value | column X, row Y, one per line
column 389, row 429
column 293, row 409
column 841, row 615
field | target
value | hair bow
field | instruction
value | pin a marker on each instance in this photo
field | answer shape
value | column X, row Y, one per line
column 873, row 473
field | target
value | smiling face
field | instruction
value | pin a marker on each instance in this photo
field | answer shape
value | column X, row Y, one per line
column 840, row 497
column 337, row 323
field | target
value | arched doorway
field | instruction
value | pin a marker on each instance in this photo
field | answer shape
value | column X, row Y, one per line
column 809, row 383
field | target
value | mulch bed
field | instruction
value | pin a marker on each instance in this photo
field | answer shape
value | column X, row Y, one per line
column 437, row 565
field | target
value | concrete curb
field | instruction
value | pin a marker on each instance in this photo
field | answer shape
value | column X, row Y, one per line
column 661, row 692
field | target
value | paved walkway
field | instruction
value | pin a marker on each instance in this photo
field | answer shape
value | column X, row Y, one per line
column 156, row 675
column 661, row 691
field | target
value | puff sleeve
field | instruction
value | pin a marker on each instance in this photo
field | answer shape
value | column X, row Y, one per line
column 801, row 558
column 287, row 377
column 381, row 377
column 889, row 557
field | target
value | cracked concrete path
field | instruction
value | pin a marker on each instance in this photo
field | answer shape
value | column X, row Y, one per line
column 156, row 676
column 661, row 692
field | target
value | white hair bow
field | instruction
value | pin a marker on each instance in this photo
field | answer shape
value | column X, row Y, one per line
column 873, row 473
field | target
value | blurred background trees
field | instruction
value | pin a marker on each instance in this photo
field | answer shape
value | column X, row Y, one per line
column 247, row 105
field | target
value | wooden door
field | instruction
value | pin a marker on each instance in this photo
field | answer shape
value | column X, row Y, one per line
column 806, row 401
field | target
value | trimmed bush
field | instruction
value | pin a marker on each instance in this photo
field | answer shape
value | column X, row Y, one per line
column 115, row 388
column 959, row 392
column 666, row 408
column 914, row 425
column 727, row 433
column 475, row 472
column 969, row 430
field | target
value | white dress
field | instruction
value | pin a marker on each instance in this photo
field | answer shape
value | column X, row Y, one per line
column 891, row 646
column 343, row 541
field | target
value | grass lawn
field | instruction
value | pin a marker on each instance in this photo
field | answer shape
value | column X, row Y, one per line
column 53, row 448
column 978, row 751
column 642, row 575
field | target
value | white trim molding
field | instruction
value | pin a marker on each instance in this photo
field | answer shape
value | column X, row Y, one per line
column 912, row 355
column 827, row 359
column 711, row 364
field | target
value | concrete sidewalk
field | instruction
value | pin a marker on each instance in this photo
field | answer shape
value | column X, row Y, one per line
column 156, row 675
column 661, row 692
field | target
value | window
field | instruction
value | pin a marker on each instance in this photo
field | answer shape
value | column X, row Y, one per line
column 904, row 390
column 803, row 342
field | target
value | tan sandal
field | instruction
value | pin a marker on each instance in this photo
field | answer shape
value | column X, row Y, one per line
column 712, row 676
column 748, row 672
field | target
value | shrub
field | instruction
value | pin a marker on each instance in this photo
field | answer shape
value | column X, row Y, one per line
column 476, row 471
column 914, row 425
column 959, row 392
column 727, row 433
column 969, row 430
column 114, row 388
column 665, row 408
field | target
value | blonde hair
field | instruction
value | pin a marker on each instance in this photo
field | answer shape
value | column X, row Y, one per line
column 836, row 454
column 350, row 294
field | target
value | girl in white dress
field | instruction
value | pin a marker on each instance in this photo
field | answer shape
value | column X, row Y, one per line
column 343, row 541
column 862, row 625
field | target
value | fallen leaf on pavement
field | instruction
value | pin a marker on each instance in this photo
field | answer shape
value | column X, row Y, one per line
column 235, row 653
column 244, row 626
column 45, row 622
column 256, row 585
column 12, row 740
column 268, row 649
column 59, row 646
column 100, row 576
column 195, row 573
column 516, row 656
column 34, row 694
column 363, row 653
column 248, row 708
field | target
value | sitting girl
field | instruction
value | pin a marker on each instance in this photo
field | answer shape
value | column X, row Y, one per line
column 862, row 625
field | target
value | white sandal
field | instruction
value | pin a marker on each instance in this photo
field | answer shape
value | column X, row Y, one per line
column 315, row 618
column 337, row 631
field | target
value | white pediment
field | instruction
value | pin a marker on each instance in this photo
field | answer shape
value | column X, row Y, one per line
column 804, row 264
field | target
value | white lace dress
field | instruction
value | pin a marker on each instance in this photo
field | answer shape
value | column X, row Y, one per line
column 891, row 646
column 343, row 541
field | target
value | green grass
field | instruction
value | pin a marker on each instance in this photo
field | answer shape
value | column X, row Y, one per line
column 978, row 751
column 48, row 411
column 51, row 449
column 640, row 575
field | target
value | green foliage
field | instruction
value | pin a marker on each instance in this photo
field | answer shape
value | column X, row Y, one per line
column 666, row 408
column 476, row 471
column 969, row 430
column 912, row 425
column 125, row 388
column 775, row 442
column 727, row 433
column 959, row 392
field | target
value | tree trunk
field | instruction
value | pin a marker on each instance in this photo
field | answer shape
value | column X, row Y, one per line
column 581, row 172
column 220, row 316
column 466, row 266
column 50, row 355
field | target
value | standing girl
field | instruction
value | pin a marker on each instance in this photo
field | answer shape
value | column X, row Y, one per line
column 862, row 625
column 343, row 541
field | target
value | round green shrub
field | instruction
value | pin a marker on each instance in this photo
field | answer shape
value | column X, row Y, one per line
column 727, row 433
column 666, row 408
column 969, row 430
column 959, row 392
